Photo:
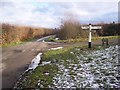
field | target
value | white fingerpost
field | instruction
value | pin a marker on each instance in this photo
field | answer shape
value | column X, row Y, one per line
column 90, row 28
column 89, row 40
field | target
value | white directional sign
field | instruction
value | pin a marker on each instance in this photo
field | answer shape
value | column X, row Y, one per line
column 93, row 27
column 85, row 27
column 96, row 27
column 90, row 28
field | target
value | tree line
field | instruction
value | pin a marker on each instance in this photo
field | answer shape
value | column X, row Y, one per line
column 71, row 28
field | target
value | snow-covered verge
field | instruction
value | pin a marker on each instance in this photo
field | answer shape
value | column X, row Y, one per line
column 35, row 62
column 97, row 69
column 84, row 68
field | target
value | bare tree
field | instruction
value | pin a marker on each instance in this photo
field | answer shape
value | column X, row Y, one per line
column 70, row 28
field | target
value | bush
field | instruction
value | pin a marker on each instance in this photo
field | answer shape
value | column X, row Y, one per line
column 111, row 29
column 71, row 28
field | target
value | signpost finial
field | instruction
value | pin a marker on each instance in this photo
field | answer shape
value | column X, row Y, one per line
column 89, row 23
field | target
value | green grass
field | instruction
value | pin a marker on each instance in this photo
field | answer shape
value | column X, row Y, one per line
column 51, row 39
column 55, row 56
column 38, row 75
column 12, row 44
column 17, row 43
column 86, row 39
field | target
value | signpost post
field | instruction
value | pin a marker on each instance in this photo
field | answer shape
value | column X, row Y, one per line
column 90, row 27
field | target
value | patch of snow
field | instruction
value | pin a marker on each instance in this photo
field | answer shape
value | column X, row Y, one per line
column 66, row 70
column 71, row 52
column 35, row 62
column 56, row 38
column 41, row 39
column 56, row 48
column 44, row 63
column 95, row 86
column 46, row 73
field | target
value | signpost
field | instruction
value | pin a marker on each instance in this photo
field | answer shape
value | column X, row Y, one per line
column 90, row 27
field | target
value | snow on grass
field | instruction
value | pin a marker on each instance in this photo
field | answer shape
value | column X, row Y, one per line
column 45, row 63
column 75, row 68
column 35, row 62
column 56, row 38
column 56, row 48
column 95, row 69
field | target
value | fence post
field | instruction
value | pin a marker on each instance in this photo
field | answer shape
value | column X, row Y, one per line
column 105, row 42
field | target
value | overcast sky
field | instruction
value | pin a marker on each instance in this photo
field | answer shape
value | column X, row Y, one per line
column 47, row 13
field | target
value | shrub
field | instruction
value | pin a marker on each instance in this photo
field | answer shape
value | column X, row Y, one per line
column 71, row 28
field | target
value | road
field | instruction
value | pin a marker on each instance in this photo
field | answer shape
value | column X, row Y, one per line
column 16, row 59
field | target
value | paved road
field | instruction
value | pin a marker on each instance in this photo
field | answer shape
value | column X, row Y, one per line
column 16, row 59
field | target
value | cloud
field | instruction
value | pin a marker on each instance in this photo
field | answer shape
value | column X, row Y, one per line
column 48, row 14
column 81, row 0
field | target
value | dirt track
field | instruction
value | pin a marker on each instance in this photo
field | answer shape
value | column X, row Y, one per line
column 16, row 59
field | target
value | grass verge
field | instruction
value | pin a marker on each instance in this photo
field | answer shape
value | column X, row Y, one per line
column 86, row 39
column 12, row 44
column 17, row 43
column 42, row 76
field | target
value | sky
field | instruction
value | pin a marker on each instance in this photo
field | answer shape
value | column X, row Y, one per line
column 48, row 13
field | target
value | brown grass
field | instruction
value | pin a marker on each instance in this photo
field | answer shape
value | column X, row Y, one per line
column 13, row 33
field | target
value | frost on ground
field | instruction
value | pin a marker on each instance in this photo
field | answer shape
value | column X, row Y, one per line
column 95, row 69
column 75, row 68
column 56, row 48
column 35, row 62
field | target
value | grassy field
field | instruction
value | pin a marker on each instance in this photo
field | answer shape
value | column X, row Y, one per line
column 17, row 43
column 77, row 67
column 52, row 39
